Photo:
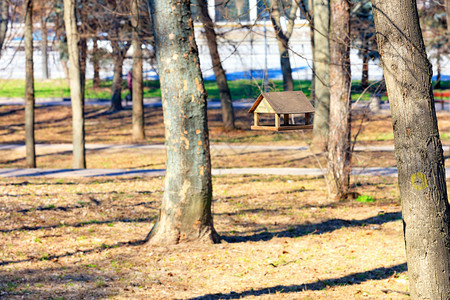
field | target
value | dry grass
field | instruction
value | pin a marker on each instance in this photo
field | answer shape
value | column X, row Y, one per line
column 281, row 238
column 54, row 126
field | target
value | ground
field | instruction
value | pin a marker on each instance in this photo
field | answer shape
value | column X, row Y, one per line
column 282, row 238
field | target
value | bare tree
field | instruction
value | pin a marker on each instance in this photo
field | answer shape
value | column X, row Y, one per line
column 185, row 213
column 4, row 18
column 283, row 38
column 95, row 59
column 418, row 148
column 44, row 44
column 29, row 87
column 339, row 153
column 321, row 72
column 137, row 97
column 76, row 89
column 221, row 79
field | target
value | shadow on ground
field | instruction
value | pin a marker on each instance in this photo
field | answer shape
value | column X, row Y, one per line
column 316, row 228
column 354, row 278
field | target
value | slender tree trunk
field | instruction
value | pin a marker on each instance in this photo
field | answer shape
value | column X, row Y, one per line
column 438, row 75
column 365, row 71
column 418, row 148
column 29, row 88
column 138, row 103
column 185, row 213
column 221, row 79
column 76, row 90
column 116, row 89
column 283, row 41
column 447, row 14
column 83, row 64
column 339, row 154
column 4, row 18
column 44, row 46
column 321, row 73
column 96, row 64
column 311, row 37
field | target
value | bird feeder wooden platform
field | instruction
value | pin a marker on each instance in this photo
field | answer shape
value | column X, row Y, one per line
column 282, row 103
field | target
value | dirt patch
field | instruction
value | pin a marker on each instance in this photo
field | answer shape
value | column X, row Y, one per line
column 282, row 238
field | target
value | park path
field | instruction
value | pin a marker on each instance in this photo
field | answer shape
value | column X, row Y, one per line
column 59, row 173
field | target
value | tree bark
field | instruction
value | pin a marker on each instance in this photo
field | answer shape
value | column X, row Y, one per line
column 76, row 90
column 4, row 18
column 321, row 73
column 418, row 149
column 44, row 46
column 339, row 153
column 365, row 70
column 221, row 79
column 283, row 41
column 137, row 97
column 96, row 64
column 186, row 208
column 83, row 64
column 29, row 88
column 447, row 14
column 311, row 37
column 116, row 88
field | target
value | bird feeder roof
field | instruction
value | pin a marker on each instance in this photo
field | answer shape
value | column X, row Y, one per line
column 291, row 102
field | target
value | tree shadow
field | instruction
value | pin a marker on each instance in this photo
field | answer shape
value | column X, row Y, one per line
column 317, row 228
column 79, row 224
column 103, row 247
column 351, row 279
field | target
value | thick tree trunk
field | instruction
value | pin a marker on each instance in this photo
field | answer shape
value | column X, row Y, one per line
column 221, row 79
column 365, row 71
column 283, row 41
column 339, row 154
column 138, row 104
column 186, row 208
column 418, row 149
column 4, row 18
column 76, row 90
column 44, row 46
column 96, row 64
column 116, row 88
column 29, row 88
column 321, row 73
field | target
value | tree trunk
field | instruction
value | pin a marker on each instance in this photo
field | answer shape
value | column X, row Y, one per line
column 116, row 88
column 221, row 79
column 29, row 88
column 311, row 37
column 185, row 213
column 44, row 46
column 4, row 18
column 365, row 71
column 76, row 90
column 418, row 149
column 138, row 105
column 447, row 14
column 437, row 86
column 339, row 154
column 283, row 41
column 83, row 64
column 321, row 73
column 96, row 64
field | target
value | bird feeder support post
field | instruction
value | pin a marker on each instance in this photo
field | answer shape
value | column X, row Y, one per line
column 286, row 119
column 256, row 118
column 277, row 120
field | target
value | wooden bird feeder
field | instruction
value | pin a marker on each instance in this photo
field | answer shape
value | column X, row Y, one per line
column 282, row 103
